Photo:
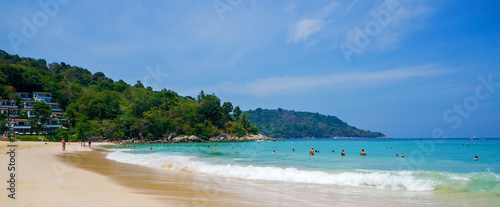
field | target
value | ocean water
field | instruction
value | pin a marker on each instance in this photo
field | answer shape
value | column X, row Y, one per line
column 435, row 167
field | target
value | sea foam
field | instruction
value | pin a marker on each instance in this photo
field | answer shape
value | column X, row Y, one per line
column 395, row 180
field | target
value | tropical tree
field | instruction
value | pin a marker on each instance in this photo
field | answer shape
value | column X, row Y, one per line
column 42, row 114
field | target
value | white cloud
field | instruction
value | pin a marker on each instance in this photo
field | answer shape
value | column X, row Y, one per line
column 308, row 26
column 334, row 81
column 303, row 28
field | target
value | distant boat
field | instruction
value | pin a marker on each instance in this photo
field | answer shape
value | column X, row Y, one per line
column 473, row 138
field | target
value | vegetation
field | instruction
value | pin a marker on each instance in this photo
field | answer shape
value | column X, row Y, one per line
column 96, row 105
column 282, row 123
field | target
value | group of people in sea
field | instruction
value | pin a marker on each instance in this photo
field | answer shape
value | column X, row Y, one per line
column 311, row 152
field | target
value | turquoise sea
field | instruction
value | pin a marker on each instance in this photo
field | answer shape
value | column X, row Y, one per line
column 432, row 170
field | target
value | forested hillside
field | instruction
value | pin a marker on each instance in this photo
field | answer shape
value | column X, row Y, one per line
column 96, row 105
column 280, row 123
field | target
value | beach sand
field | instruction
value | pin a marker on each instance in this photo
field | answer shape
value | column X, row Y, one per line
column 46, row 176
column 43, row 179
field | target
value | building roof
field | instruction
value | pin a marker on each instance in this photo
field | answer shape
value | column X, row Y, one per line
column 28, row 101
column 52, row 103
column 41, row 92
column 57, row 112
column 6, row 108
column 22, row 93
column 21, row 120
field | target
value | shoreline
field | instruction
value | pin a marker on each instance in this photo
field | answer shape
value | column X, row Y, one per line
column 193, row 189
column 47, row 176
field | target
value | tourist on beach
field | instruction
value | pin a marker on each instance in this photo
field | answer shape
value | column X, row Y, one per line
column 90, row 142
column 69, row 142
column 363, row 153
column 476, row 158
column 63, row 145
column 312, row 151
column 342, row 153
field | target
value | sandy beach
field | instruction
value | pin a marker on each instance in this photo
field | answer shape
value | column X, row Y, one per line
column 47, row 176
column 43, row 179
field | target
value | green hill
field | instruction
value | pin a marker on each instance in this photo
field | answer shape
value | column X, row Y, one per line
column 96, row 105
column 280, row 123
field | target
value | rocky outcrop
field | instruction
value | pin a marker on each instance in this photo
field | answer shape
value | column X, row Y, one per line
column 173, row 138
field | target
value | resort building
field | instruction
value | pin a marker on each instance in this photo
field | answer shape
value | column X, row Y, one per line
column 26, row 110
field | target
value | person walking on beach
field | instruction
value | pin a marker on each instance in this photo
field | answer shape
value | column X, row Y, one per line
column 312, row 151
column 90, row 142
column 363, row 153
column 342, row 153
column 63, row 145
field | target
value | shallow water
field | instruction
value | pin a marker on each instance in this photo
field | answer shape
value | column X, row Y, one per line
column 431, row 173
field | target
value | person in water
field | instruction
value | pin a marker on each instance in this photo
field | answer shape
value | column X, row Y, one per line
column 150, row 147
column 312, row 151
column 397, row 155
column 273, row 151
column 363, row 153
column 342, row 153
column 333, row 150
column 476, row 158
column 293, row 150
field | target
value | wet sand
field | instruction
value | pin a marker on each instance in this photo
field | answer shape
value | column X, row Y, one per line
column 188, row 189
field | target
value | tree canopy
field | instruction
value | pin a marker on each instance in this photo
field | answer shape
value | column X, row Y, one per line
column 282, row 123
column 95, row 105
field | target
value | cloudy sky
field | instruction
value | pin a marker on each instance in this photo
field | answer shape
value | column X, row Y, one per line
column 405, row 68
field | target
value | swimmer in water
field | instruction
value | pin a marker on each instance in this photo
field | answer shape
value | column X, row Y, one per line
column 476, row 158
column 312, row 151
column 363, row 153
column 293, row 150
column 342, row 153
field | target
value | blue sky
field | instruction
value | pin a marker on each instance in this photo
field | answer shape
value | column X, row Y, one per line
column 405, row 68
